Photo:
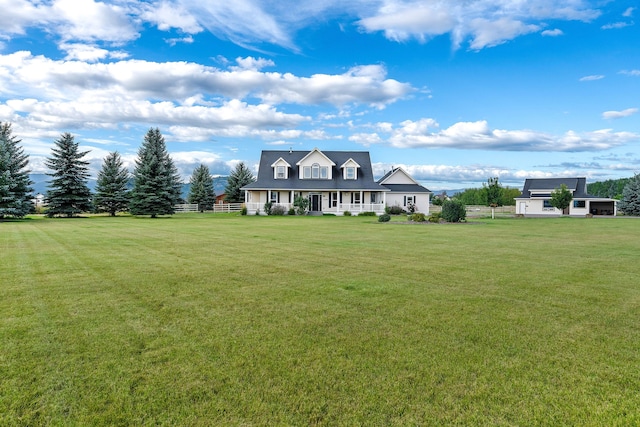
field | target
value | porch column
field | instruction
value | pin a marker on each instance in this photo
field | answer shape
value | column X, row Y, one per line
column 338, row 202
column 361, row 199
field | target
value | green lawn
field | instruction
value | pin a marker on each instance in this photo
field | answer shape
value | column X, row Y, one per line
column 230, row 320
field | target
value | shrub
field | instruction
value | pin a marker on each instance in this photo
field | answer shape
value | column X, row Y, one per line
column 277, row 210
column 257, row 211
column 394, row 210
column 243, row 211
column 367, row 213
column 267, row 208
column 301, row 204
column 346, row 213
column 385, row 217
column 434, row 217
column 292, row 211
column 418, row 217
column 453, row 211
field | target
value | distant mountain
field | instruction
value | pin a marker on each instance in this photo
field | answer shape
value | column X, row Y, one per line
column 41, row 184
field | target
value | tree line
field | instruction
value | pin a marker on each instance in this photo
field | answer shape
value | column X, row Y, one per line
column 491, row 193
column 154, row 187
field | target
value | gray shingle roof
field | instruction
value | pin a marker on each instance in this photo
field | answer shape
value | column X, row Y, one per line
column 266, row 181
column 577, row 185
column 407, row 188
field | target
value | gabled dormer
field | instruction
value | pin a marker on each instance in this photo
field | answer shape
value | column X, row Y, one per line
column 315, row 165
column 281, row 169
column 350, row 169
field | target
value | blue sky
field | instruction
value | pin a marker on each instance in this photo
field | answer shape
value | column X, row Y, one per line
column 453, row 91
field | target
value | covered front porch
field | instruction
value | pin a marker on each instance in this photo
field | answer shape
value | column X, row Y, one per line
column 332, row 202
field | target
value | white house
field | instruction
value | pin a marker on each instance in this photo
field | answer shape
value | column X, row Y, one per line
column 535, row 199
column 404, row 191
column 333, row 181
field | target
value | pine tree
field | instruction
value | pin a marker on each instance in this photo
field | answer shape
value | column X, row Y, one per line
column 630, row 203
column 156, row 182
column 111, row 188
column 68, row 192
column 239, row 177
column 15, row 190
column 201, row 189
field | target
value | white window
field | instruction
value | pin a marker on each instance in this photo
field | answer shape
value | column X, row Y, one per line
column 315, row 171
column 350, row 172
column 409, row 200
column 306, row 172
column 275, row 197
column 355, row 198
column 374, row 197
column 324, row 172
column 280, row 172
column 334, row 200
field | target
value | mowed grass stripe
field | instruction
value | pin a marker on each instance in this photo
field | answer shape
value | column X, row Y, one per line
column 202, row 319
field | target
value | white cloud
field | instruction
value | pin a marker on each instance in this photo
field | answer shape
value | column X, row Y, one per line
column 176, row 40
column 39, row 77
column 630, row 72
column 591, row 78
column 619, row 114
column 92, row 20
column 552, row 33
column 426, row 133
column 628, row 13
column 616, row 25
column 167, row 15
column 487, row 23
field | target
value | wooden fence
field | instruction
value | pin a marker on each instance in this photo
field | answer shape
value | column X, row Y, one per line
column 480, row 210
column 218, row 208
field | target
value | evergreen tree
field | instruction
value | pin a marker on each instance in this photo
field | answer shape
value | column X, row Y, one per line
column 630, row 203
column 68, row 192
column 239, row 177
column 156, row 182
column 561, row 197
column 15, row 190
column 111, row 188
column 201, row 189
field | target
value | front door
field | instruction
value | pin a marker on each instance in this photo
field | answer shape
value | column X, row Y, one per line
column 316, row 203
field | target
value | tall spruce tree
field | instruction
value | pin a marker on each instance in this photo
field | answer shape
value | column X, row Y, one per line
column 239, row 177
column 201, row 189
column 111, row 193
column 630, row 203
column 15, row 185
column 68, row 192
column 156, row 182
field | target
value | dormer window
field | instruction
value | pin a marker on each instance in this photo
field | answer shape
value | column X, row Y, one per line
column 280, row 169
column 315, row 171
column 350, row 172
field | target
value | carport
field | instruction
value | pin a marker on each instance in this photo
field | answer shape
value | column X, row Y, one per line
column 602, row 207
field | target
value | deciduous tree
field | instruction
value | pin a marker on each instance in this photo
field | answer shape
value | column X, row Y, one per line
column 156, row 182
column 561, row 197
column 239, row 177
column 201, row 188
column 15, row 190
column 68, row 193
column 112, row 195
